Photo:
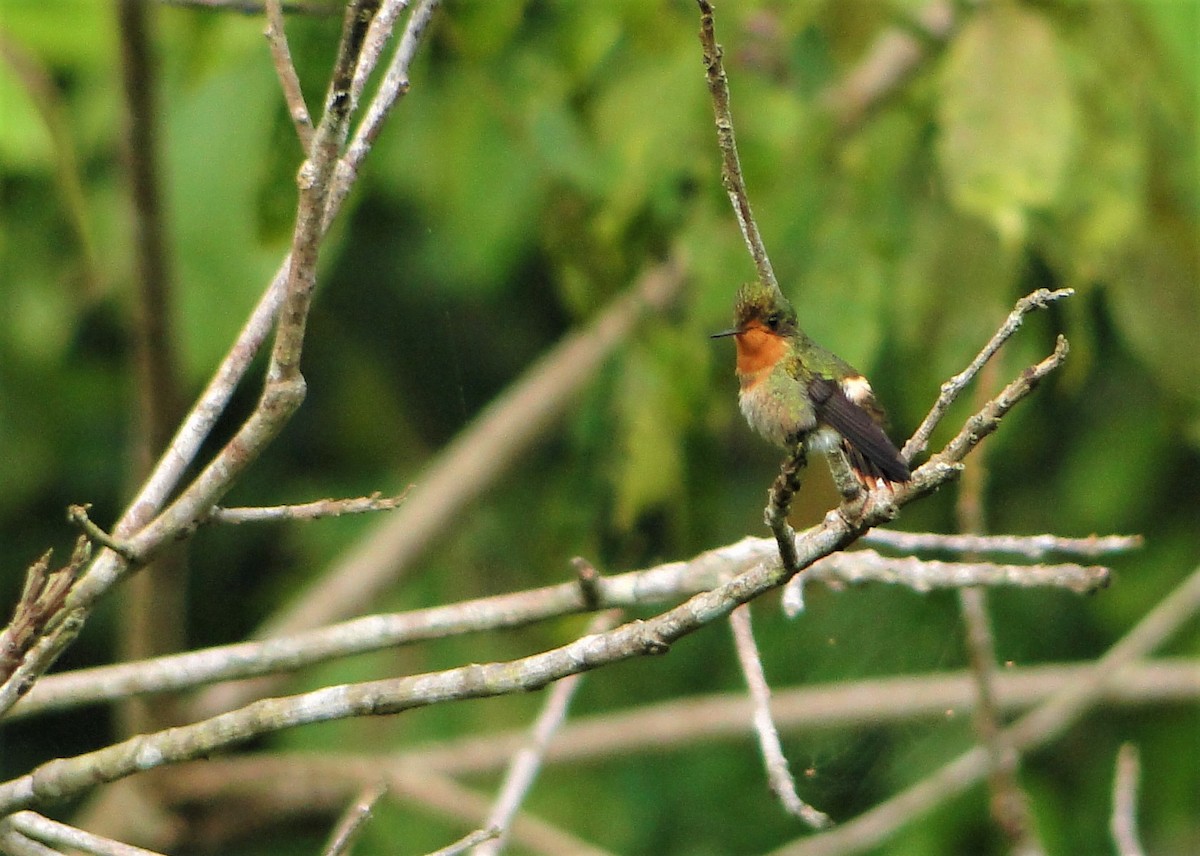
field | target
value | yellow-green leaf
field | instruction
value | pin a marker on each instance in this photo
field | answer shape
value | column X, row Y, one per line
column 1007, row 117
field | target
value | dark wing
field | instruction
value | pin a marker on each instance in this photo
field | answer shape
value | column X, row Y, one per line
column 859, row 429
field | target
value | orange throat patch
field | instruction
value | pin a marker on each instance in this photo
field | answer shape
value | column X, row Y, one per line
column 758, row 351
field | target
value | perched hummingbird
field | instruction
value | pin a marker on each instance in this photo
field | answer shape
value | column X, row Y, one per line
column 794, row 391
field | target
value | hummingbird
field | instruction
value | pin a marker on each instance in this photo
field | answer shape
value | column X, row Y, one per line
column 795, row 392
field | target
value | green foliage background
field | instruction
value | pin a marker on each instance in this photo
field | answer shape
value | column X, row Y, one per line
column 547, row 153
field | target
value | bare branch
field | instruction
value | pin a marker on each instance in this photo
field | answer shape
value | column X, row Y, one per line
column 65, row 776
column 1034, row 729
column 49, row 831
column 479, row 836
column 352, row 821
column 18, row 844
column 1008, row 804
column 951, row 389
column 653, row 586
column 672, row 725
column 924, row 575
column 289, row 81
column 527, row 761
column 731, row 167
column 315, row 510
column 778, row 774
column 1124, row 825
column 988, row 419
column 1027, row 546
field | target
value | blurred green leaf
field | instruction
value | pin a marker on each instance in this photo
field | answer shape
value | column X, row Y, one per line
column 1007, row 117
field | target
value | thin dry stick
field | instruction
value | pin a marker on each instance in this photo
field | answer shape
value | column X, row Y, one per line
column 289, row 81
column 731, row 167
column 18, row 844
column 479, row 836
column 1027, row 546
column 527, row 761
column 49, row 831
column 378, row 36
column 1008, row 803
column 280, row 399
column 316, row 510
column 778, row 774
column 951, row 389
column 434, row 791
column 1123, row 824
column 357, row 814
column 1040, row 726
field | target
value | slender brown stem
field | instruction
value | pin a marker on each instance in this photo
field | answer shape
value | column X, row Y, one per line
column 731, row 167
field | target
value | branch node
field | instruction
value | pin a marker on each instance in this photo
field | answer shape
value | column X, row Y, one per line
column 78, row 515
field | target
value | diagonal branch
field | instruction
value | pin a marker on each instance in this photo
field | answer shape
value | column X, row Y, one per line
column 1036, row 728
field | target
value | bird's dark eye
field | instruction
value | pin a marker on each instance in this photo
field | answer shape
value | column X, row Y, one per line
column 773, row 321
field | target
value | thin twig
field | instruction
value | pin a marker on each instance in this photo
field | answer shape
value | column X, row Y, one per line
column 731, row 168
column 527, row 761
column 988, row 418
column 446, row 796
column 378, row 36
column 950, row 390
column 16, row 843
column 78, row 514
column 285, row 70
column 479, row 836
column 357, row 814
column 315, row 510
column 1123, row 825
column 651, row 637
column 778, row 774
column 1036, row 728
column 49, row 831
column 1008, row 804
column 1027, row 546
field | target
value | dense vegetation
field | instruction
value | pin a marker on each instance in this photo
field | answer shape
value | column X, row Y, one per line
column 547, row 154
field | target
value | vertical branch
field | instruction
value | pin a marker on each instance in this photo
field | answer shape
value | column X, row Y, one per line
column 778, row 774
column 1123, row 824
column 289, row 81
column 155, row 602
column 731, row 167
column 1009, row 807
column 315, row 182
column 779, row 503
column 527, row 761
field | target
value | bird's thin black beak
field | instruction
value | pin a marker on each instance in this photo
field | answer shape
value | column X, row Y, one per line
column 725, row 333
